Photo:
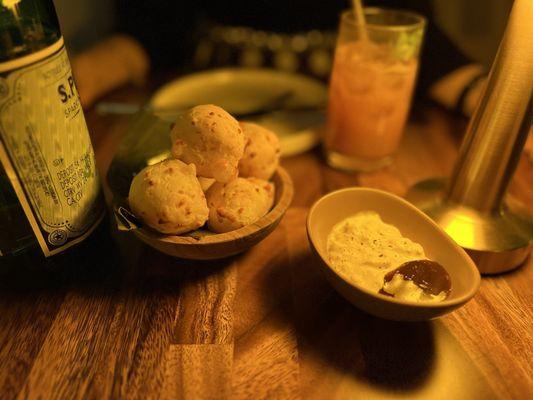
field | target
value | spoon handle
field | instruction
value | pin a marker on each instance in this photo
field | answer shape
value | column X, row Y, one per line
column 277, row 104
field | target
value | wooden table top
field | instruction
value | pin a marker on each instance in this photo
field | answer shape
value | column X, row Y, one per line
column 265, row 324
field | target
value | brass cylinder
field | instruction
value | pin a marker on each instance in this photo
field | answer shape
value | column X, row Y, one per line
column 500, row 124
column 471, row 207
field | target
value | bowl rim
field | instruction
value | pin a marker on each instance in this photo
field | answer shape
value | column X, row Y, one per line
column 426, row 305
column 286, row 191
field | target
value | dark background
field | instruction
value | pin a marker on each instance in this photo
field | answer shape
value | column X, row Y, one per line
column 170, row 30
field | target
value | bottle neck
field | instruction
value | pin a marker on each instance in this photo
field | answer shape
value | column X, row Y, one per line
column 26, row 26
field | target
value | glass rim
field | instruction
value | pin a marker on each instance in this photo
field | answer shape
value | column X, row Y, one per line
column 419, row 21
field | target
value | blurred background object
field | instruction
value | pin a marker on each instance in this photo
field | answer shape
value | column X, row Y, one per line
column 296, row 36
column 110, row 63
column 85, row 22
column 475, row 26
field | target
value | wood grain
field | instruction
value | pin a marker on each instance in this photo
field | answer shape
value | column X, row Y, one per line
column 205, row 309
column 198, row 372
column 266, row 354
column 21, row 340
column 264, row 324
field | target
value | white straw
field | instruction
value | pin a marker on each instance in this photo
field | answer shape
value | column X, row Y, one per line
column 360, row 18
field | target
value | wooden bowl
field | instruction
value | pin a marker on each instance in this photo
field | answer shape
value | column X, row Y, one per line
column 413, row 224
column 223, row 245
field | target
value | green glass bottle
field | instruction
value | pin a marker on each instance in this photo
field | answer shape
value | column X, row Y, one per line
column 50, row 193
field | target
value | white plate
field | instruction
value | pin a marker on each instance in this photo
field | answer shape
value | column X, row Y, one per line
column 241, row 90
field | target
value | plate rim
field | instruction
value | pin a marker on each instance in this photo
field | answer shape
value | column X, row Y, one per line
column 233, row 71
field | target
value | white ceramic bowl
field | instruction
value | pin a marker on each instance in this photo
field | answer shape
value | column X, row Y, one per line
column 413, row 224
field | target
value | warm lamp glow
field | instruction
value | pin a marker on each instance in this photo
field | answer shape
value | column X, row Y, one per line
column 10, row 3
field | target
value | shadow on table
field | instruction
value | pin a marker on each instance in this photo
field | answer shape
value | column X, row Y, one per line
column 106, row 267
column 391, row 355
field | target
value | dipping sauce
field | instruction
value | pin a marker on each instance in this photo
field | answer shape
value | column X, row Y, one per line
column 418, row 280
column 364, row 250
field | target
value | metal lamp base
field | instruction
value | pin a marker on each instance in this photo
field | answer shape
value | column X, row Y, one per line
column 496, row 242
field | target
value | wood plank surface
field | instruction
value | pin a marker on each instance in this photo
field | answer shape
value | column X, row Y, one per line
column 264, row 324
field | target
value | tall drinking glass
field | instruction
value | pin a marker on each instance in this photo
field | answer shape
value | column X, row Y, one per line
column 371, row 87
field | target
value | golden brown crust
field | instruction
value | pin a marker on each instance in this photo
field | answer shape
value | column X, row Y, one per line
column 238, row 203
column 168, row 197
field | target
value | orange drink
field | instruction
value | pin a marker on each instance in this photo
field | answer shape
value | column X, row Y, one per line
column 370, row 91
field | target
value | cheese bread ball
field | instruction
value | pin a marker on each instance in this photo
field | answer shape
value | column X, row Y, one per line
column 167, row 197
column 211, row 139
column 238, row 203
column 261, row 152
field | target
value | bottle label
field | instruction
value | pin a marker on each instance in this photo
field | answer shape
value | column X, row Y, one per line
column 45, row 148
